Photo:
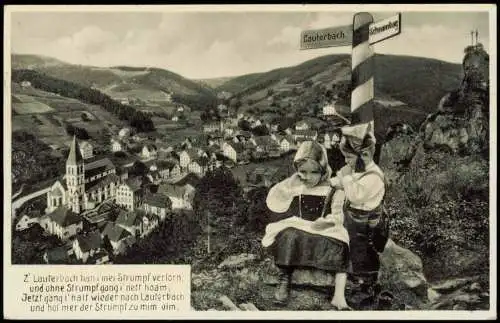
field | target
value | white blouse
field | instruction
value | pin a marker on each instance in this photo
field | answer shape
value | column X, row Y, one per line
column 364, row 191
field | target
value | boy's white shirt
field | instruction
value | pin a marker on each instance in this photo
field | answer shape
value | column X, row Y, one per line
column 364, row 192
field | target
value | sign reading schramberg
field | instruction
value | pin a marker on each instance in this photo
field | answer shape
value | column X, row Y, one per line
column 342, row 36
column 384, row 29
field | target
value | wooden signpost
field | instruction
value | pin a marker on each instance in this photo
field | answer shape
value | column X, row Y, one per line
column 362, row 34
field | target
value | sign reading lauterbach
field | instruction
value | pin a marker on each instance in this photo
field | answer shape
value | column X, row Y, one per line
column 328, row 37
column 342, row 36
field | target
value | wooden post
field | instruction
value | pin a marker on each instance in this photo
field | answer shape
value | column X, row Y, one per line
column 362, row 82
column 208, row 232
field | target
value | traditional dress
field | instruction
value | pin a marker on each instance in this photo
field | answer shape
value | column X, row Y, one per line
column 292, row 241
column 364, row 218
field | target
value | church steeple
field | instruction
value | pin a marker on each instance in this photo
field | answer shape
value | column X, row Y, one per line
column 75, row 177
column 75, row 156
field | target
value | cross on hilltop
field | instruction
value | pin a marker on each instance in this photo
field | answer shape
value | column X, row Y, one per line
column 472, row 33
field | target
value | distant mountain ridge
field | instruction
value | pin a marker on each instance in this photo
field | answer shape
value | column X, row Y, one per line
column 214, row 82
column 416, row 81
column 148, row 84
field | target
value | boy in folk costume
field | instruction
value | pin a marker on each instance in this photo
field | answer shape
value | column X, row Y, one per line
column 308, row 237
column 364, row 186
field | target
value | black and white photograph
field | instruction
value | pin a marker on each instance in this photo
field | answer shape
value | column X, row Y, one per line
column 297, row 158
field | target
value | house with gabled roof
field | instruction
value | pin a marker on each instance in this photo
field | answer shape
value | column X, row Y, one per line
column 302, row 125
column 287, row 143
column 232, row 150
column 276, row 137
column 27, row 220
column 119, row 238
column 128, row 220
column 149, row 151
column 129, row 194
column 139, row 137
column 305, row 134
column 86, row 149
column 261, row 176
column 100, row 258
column 157, row 204
column 154, row 177
column 124, row 133
column 149, row 221
column 117, row 145
column 211, row 127
column 212, row 151
column 198, row 166
column 244, row 135
column 264, row 144
column 181, row 196
column 85, row 246
column 186, row 156
column 62, row 223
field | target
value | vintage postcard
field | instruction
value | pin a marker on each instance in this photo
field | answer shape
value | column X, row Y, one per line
column 282, row 161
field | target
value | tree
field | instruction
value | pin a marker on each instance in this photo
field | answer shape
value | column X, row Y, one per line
column 308, row 84
column 85, row 117
column 244, row 125
column 120, row 154
column 219, row 193
column 138, row 169
column 258, row 214
column 261, row 130
column 108, row 246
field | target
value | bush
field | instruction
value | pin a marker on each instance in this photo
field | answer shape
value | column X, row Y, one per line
column 85, row 117
column 120, row 154
column 438, row 227
column 170, row 243
column 468, row 181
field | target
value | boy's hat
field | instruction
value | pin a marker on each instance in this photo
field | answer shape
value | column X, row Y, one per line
column 353, row 146
column 361, row 147
column 358, row 132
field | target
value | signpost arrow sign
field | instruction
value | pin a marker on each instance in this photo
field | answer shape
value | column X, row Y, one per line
column 342, row 36
column 384, row 29
column 328, row 37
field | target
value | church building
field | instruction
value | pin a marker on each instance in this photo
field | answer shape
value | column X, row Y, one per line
column 86, row 184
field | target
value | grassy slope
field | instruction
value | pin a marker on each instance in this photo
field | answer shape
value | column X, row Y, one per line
column 48, row 127
column 155, row 80
column 430, row 79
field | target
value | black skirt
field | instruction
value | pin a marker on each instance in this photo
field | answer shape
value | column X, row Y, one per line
column 296, row 248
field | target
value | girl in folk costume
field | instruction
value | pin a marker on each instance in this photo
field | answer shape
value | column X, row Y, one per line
column 312, row 234
column 364, row 186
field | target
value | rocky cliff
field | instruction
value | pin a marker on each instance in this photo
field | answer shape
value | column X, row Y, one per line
column 461, row 122
column 438, row 194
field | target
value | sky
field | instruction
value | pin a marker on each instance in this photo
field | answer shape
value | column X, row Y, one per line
column 210, row 44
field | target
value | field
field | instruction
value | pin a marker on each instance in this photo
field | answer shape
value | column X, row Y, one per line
column 283, row 165
column 136, row 91
column 49, row 112
column 31, row 107
column 176, row 136
column 23, row 122
column 167, row 126
column 124, row 73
